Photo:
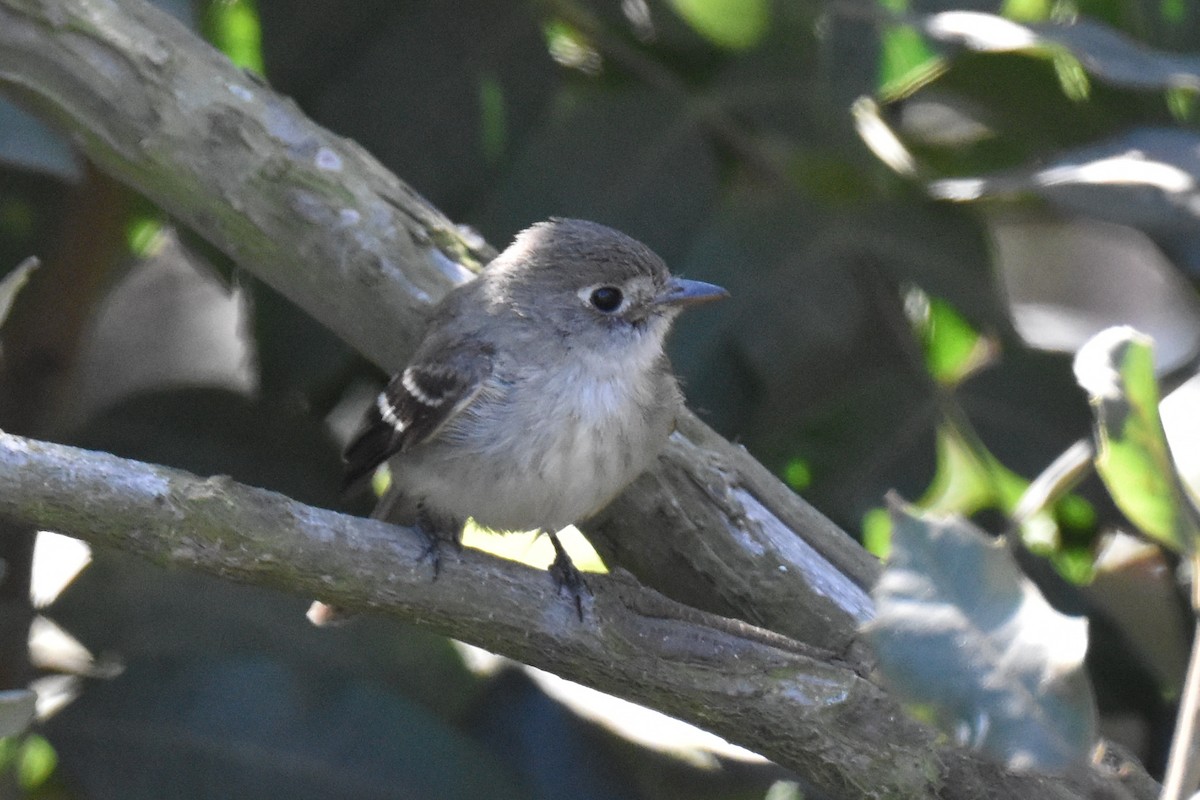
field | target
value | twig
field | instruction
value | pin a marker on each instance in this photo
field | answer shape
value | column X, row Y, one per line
column 1183, row 766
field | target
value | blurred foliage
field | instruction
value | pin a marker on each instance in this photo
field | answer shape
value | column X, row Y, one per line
column 234, row 28
column 732, row 24
column 28, row 761
column 1132, row 454
column 718, row 131
column 953, row 349
column 946, row 639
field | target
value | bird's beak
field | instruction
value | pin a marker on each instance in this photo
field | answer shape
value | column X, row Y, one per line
column 680, row 292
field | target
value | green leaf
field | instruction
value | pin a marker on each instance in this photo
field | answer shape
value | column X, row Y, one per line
column 569, row 47
column 1181, row 103
column 233, row 28
column 38, row 761
column 877, row 532
column 143, row 233
column 1076, row 512
column 798, row 474
column 1026, row 10
column 1116, row 368
column 1072, row 77
column 907, row 61
column 732, row 24
column 953, row 349
column 962, row 633
column 969, row 478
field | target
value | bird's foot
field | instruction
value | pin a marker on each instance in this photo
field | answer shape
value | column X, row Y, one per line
column 566, row 575
column 436, row 536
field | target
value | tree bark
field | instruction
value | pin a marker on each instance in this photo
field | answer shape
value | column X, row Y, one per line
column 805, row 708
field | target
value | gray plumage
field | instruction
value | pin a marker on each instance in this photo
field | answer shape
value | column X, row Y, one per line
column 531, row 403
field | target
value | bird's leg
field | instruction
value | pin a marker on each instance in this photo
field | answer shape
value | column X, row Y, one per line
column 434, row 530
column 565, row 573
column 437, row 530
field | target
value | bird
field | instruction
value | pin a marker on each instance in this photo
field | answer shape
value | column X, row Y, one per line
column 540, row 390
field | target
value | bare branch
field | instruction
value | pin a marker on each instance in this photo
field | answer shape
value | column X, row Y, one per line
column 794, row 703
column 728, row 676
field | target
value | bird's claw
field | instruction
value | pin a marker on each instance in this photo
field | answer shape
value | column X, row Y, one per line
column 566, row 575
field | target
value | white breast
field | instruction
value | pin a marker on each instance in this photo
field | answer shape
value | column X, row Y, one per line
column 571, row 442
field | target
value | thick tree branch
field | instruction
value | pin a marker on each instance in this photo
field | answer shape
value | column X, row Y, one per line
column 798, row 705
column 310, row 213
column 320, row 220
column 729, row 676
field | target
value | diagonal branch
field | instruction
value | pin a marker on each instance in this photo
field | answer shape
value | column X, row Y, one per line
column 635, row 643
column 791, row 702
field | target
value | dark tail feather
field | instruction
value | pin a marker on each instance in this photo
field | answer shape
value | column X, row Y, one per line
column 370, row 448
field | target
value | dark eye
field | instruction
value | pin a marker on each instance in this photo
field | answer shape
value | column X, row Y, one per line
column 606, row 298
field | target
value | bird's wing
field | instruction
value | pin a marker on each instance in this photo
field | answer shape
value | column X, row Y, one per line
column 416, row 404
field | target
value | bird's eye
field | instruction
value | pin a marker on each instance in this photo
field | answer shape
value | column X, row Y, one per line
column 606, row 299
